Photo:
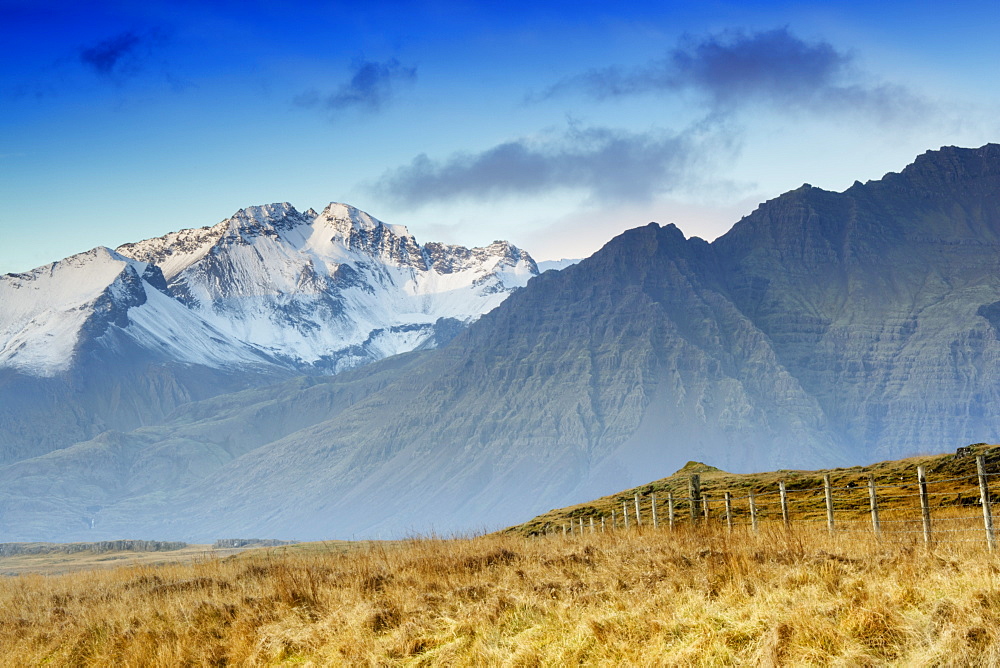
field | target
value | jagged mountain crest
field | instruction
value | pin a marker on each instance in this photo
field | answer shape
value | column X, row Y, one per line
column 335, row 289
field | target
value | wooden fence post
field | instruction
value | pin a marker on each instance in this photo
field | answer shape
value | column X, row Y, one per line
column 873, row 499
column 670, row 510
column 581, row 526
column 564, row 529
column 828, row 494
column 784, row 503
column 729, row 512
column 625, row 512
column 984, row 496
column 753, row 512
column 694, row 494
column 614, row 520
column 638, row 513
column 704, row 502
column 925, row 507
column 602, row 523
column 652, row 506
column 591, row 524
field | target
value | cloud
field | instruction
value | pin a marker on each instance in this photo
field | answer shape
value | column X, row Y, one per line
column 371, row 86
column 120, row 55
column 610, row 165
column 734, row 68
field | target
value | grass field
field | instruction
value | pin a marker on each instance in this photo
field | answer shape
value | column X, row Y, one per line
column 626, row 598
column 697, row 595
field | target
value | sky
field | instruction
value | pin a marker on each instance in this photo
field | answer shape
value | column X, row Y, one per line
column 554, row 125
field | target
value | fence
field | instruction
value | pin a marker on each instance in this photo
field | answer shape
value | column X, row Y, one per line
column 928, row 510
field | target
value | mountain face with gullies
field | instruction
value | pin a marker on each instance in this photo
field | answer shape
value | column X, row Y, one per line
column 117, row 339
column 824, row 329
column 331, row 290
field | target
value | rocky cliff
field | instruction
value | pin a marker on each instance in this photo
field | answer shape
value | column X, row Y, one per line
column 878, row 299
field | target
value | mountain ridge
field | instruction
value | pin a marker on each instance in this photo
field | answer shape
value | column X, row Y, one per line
column 824, row 329
column 116, row 339
column 297, row 287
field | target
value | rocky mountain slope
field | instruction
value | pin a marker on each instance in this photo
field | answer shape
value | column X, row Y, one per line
column 824, row 329
column 881, row 300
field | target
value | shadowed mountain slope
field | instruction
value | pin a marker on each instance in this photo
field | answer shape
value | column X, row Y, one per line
column 880, row 300
column 823, row 329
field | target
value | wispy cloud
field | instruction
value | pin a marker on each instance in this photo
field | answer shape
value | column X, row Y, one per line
column 109, row 54
column 735, row 68
column 371, row 86
column 120, row 55
column 609, row 165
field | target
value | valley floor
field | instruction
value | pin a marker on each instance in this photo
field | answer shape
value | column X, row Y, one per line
column 626, row 598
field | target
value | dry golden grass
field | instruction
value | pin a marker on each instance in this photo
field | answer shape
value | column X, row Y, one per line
column 625, row 598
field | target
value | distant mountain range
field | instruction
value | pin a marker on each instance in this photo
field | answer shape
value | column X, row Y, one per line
column 824, row 329
column 118, row 339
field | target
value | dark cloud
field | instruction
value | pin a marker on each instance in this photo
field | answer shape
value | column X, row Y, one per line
column 122, row 54
column 610, row 165
column 371, row 86
column 735, row 67
column 107, row 56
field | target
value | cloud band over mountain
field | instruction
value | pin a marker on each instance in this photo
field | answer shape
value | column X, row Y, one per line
column 734, row 68
column 609, row 164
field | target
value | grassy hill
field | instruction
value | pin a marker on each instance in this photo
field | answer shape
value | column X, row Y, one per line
column 952, row 485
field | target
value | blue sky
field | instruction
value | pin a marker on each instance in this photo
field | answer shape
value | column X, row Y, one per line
column 553, row 125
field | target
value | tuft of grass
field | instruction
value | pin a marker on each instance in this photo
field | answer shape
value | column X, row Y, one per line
column 643, row 597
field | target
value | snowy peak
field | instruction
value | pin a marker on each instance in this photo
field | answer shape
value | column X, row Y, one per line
column 277, row 216
column 265, row 220
column 64, row 284
column 268, row 285
column 176, row 251
column 45, row 311
column 354, row 230
column 97, row 300
column 344, row 219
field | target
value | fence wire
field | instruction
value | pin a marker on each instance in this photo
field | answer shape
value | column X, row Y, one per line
column 913, row 506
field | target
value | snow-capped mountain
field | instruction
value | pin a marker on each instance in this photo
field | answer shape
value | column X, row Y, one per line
column 330, row 290
column 269, row 286
column 119, row 339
